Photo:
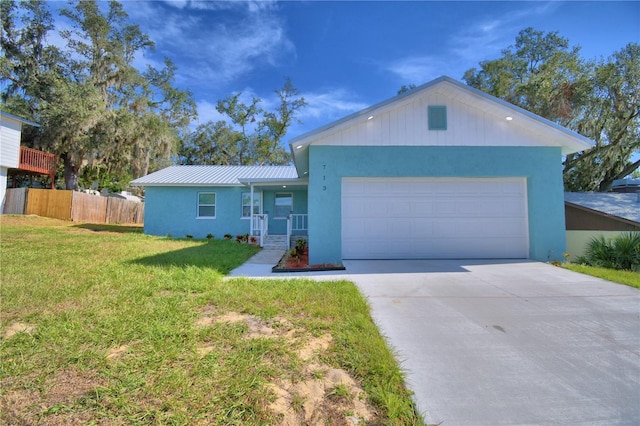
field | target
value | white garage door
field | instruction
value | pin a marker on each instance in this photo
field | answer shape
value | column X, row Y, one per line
column 434, row 218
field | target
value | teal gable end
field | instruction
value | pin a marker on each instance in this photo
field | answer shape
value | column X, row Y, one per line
column 540, row 166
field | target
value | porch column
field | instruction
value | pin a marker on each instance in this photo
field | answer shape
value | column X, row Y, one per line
column 251, row 213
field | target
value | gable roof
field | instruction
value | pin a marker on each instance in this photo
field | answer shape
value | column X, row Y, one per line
column 625, row 206
column 216, row 175
column 547, row 133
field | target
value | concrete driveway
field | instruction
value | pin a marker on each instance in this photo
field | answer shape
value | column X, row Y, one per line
column 509, row 343
column 503, row 342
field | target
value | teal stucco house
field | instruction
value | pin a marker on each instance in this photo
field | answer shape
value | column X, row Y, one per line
column 442, row 171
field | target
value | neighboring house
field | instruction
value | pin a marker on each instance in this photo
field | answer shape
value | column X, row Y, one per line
column 13, row 156
column 592, row 214
column 626, row 185
column 442, row 171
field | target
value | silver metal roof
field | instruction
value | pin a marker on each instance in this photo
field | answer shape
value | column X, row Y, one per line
column 622, row 205
column 215, row 175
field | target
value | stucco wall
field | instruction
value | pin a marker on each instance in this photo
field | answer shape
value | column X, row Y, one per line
column 577, row 241
column 541, row 166
column 173, row 210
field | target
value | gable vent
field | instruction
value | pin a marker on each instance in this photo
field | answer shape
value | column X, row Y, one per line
column 437, row 117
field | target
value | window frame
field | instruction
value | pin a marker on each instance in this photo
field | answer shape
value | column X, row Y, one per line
column 242, row 205
column 214, row 205
column 275, row 200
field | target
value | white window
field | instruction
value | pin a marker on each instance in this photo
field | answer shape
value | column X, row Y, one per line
column 207, row 205
column 283, row 205
column 246, row 204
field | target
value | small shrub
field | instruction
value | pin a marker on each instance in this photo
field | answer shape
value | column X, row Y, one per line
column 210, row 236
column 621, row 252
column 253, row 240
column 626, row 249
column 300, row 248
column 227, row 236
column 189, row 236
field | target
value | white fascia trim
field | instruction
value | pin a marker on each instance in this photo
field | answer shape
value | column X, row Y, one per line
column 208, row 185
column 273, row 181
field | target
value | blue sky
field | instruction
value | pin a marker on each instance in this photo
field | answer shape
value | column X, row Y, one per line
column 345, row 56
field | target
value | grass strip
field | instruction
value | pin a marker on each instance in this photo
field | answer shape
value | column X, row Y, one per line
column 629, row 278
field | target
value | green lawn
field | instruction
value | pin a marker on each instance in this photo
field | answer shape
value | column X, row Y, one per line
column 629, row 278
column 101, row 324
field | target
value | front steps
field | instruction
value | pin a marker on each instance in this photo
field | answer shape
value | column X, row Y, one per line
column 279, row 242
column 275, row 242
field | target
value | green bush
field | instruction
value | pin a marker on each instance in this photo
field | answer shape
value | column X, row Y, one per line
column 621, row 252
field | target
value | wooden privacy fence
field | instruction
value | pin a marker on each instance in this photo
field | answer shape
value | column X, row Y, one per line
column 71, row 205
column 15, row 201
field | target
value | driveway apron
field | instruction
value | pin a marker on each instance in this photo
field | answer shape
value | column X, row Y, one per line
column 508, row 342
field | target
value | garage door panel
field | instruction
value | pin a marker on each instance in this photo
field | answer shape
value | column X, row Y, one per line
column 422, row 228
column 434, row 218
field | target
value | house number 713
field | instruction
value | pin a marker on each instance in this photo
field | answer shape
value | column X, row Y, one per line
column 324, row 187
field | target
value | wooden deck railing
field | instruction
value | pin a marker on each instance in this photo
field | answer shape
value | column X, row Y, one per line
column 32, row 160
column 36, row 161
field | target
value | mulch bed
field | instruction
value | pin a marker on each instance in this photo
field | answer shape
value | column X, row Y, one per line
column 300, row 263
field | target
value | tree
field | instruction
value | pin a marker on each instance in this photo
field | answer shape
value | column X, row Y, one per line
column 252, row 136
column 612, row 119
column 542, row 74
column 405, row 88
column 105, row 119
column 72, row 121
column 28, row 67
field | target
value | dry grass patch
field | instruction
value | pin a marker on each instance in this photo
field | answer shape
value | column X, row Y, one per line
column 54, row 402
column 18, row 327
column 322, row 394
column 117, row 353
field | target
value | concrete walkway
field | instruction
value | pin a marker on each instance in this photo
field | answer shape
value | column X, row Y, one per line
column 259, row 266
column 506, row 342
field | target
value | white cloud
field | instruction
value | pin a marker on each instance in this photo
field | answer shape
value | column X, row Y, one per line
column 329, row 105
column 207, row 112
column 252, row 6
column 417, row 69
column 217, row 41
column 490, row 36
column 483, row 40
column 180, row 4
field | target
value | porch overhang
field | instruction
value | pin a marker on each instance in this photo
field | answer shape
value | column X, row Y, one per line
column 276, row 184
